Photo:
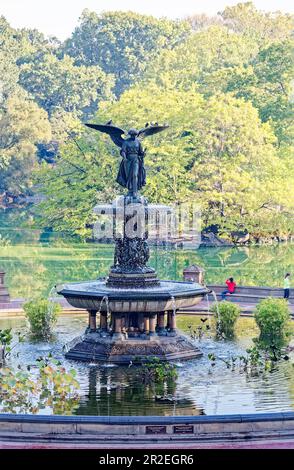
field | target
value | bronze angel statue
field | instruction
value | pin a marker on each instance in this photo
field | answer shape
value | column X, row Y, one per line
column 131, row 174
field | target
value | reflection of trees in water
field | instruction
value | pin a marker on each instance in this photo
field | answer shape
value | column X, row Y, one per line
column 119, row 391
column 256, row 265
column 35, row 269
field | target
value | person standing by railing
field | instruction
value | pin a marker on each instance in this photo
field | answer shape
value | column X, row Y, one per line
column 287, row 286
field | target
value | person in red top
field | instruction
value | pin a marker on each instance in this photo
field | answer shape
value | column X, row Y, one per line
column 231, row 288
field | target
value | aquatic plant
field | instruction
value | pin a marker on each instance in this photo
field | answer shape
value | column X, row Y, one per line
column 154, row 370
column 6, row 343
column 30, row 389
column 226, row 314
column 272, row 316
column 42, row 316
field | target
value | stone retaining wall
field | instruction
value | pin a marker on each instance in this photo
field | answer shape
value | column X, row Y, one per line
column 75, row 428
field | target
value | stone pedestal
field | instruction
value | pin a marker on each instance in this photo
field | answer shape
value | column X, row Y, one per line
column 94, row 347
column 194, row 273
column 4, row 294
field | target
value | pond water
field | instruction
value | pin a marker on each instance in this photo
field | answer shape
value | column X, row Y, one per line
column 35, row 260
column 199, row 389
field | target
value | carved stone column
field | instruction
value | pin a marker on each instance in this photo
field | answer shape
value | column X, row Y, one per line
column 146, row 325
column 173, row 323
column 92, row 320
column 168, row 320
column 152, row 325
column 141, row 322
column 160, row 324
column 117, row 327
column 103, row 321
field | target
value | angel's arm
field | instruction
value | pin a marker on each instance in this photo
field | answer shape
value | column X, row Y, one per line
column 123, row 150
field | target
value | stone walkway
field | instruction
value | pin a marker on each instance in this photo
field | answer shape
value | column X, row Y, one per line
column 246, row 308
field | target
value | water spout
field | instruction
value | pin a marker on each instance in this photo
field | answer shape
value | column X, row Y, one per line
column 174, row 305
column 217, row 309
column 105, row 300
column 51, row 301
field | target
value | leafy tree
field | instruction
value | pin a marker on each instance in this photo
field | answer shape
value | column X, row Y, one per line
column 267, row 83
column 264, row 27
column 58, row 83
column 22, row 125
column 122, row 43
column 80, row 178
column 202, row 60
column 202, row 21
column 8, row 54
column 216, row 153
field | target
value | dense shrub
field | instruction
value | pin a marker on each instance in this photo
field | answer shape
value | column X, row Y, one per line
column 272, row 316
column 226, row 315
column 42, row 316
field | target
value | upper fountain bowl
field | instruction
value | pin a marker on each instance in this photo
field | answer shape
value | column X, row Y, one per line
column 167, row 296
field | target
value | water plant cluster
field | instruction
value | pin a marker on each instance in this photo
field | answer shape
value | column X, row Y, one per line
column 272, row 316
column 154, row 370
column 33, row 388
column 42, row 316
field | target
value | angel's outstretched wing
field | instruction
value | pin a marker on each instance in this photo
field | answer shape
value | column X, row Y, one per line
column 115, row 133
column 151, row 129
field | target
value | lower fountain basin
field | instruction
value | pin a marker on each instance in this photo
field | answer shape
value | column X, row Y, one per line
column 94, row 347
column 169, row 295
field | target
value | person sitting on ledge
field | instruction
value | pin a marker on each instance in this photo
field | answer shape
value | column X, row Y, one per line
column 231, row 288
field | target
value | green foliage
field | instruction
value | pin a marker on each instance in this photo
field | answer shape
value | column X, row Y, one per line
column 272, row 316
column 122, row 43
column 245, row 19
column 153, row 370
column 22, row 125
column 226, row 314
column 52, row 385
column 42, row 316
column 223, row 83
column 267, row 82
column 6, row 343
column 216, row 152
column 4, row 240
column 59, row 83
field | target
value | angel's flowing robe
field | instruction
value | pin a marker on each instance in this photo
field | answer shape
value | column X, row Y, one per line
column 132, row 174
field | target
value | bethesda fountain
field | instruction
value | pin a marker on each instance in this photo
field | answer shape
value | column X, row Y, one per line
column 132, row 313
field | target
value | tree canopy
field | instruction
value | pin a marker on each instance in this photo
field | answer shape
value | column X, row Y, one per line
column 223, row 83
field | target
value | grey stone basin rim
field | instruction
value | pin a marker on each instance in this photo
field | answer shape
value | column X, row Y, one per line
column 177, row 289
column 162, row 420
